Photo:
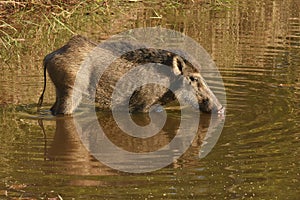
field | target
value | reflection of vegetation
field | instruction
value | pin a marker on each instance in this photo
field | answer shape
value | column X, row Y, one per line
column 9, row 124
column 12, row 120
column 22, row 146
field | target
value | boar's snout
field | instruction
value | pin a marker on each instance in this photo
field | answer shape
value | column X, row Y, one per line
column 212, row 105
column 219, row 110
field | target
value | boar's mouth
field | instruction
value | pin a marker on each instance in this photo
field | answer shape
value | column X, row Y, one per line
column 221, row 110
column 208, row 106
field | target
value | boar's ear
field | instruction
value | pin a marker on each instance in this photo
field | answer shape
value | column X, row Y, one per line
column 178, row 65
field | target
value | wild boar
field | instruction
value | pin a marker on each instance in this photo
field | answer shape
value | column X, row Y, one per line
column 64, row 64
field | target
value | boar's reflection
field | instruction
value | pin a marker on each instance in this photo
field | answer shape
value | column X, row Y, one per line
column 71, row 142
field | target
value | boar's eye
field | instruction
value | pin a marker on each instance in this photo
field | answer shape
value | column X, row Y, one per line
column 192, row 78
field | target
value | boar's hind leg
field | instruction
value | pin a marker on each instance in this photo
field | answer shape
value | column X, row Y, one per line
column 63, row 103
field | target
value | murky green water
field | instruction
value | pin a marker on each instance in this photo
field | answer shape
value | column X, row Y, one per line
column 255, row 44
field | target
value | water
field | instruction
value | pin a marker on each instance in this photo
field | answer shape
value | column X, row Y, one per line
column 256, row 46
